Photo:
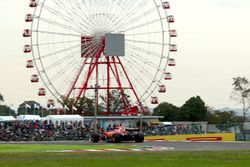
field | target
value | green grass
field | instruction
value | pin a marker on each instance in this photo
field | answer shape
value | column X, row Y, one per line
column 15, row 155
column 46, row 147
column 146, row 159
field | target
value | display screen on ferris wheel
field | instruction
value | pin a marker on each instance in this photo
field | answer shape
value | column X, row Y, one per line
column 76, row 47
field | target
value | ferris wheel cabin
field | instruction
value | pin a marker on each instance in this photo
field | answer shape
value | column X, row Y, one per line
column 173, row 33
column 173, row 48
column 171, row 62
column 167, row 76
column 171, row 19
column 154, row 100
column 26, row 33
column 51, row 102
column 166, row 5
column 33, row 3
column 34, row 78
column 27, row 49
column 41, row 92
column 28, row 18
column 29, row 64
column 162, row 89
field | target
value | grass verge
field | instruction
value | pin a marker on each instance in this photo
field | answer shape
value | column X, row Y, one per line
column 126, row 159
column 5, row 148
column 28, row 155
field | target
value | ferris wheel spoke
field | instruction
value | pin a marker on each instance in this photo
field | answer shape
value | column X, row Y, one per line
column 151, row 53
column 138, row 78
column 68, row 27
column 62, row 60
column 91, row 47
column 119, row 16
column 68, row 67
column 154, row 78
column 57, row 33
column 160, row 69
column 54, row 43
column 132, row 14
column 138, row 18
column 143, row 15
column 54, row 78
column 141, row 25
column 145, row 61
column 67, row 19
column 76, row 77
column 88, row 75
column 146, row 42
column 145, row 33
column 70, row 10
column 86, row 16
column 57, row 52
column 77, row 10
column 140, row 81
column 141, row 69
column 131, row 11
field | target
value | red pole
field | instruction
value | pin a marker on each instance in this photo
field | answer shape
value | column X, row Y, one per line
column 108, row 86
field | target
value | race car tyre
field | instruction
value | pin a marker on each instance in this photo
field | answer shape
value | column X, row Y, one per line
column 116, row 138
column 95, row 138
column 103, row 138
column 139, row 138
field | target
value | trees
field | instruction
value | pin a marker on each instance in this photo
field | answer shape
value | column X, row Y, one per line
column 194, row 109
column 169, row 111
column 116, row 102
column 241, row 93
column 83, row 105
column 30, row 108
column 6, row 111
column 1, row 98
column 223, row 119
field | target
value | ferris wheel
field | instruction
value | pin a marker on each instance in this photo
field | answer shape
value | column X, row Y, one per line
column 91, row 48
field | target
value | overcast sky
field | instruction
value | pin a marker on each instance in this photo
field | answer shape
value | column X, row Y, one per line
column 213, row 41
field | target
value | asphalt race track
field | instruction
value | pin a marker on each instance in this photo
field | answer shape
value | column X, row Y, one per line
column 175, row 146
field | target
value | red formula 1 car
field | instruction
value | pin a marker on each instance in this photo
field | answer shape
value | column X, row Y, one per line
column 120, row 134
column 123, row 134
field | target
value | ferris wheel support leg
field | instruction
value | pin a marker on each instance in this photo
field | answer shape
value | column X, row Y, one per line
column 125, row 100
column 77, row 77
column 108, row 86
column 137, row 97
column 114, row 74
column 90, row 71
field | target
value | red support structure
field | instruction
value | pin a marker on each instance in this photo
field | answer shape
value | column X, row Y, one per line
column 85, row 84
column 137, row 97
column 108, row 86
column 114, row 68
column 77, row 77
column 126, row 103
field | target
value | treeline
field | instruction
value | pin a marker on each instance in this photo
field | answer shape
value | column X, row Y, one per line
column 194, row 109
